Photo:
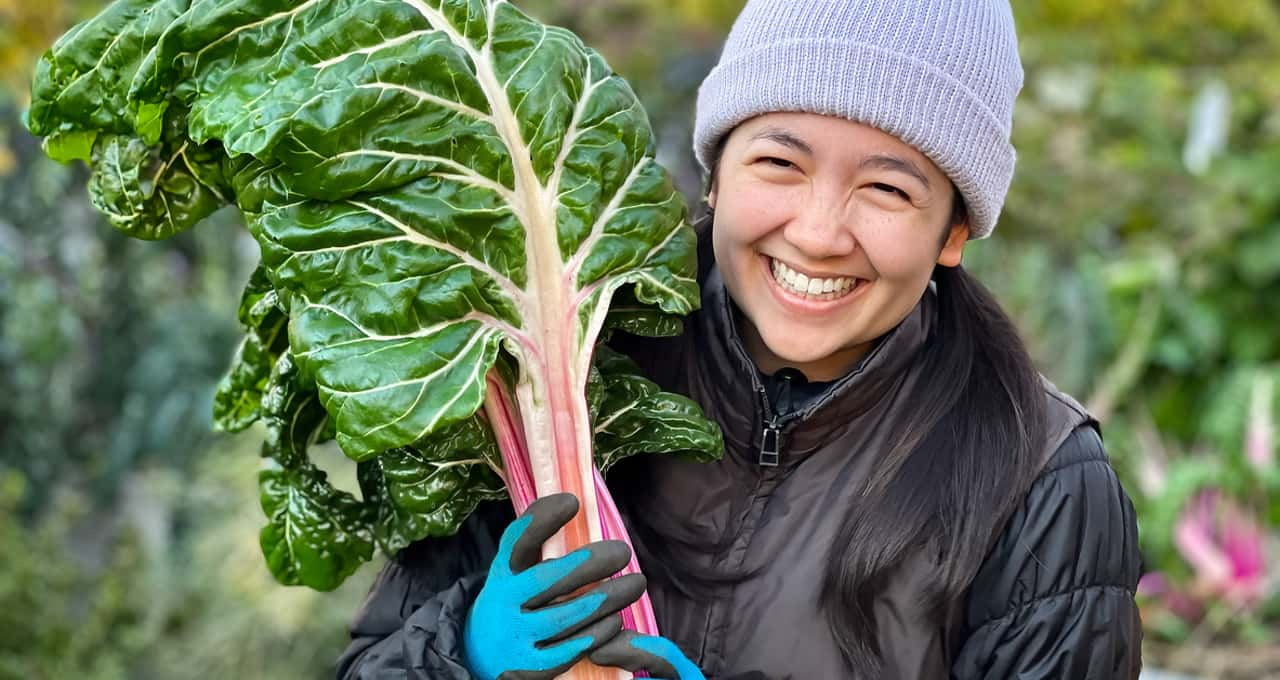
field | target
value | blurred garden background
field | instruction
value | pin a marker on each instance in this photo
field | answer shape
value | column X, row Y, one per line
column 1139, row 250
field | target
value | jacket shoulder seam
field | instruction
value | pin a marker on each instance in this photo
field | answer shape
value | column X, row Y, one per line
column 1070, row 402
column 1018, row 608
column 1065, row 402
column 1084, row 461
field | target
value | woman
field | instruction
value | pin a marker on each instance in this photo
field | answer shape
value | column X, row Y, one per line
column 902, row 495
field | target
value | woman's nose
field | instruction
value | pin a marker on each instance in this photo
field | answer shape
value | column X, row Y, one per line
column 822, row 234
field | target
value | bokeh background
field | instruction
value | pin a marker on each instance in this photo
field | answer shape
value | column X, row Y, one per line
column 1139, row 251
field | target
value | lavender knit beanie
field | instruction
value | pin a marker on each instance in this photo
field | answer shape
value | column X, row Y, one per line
column 941, row 75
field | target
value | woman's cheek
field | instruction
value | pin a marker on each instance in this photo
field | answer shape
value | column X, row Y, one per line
column 895, row 249
column 754, row 218
column 770, row 202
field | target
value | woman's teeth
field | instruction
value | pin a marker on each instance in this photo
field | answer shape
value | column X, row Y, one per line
column 822, row 289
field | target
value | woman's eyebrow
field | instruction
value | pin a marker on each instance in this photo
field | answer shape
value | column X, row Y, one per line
column 784, row 138
column 897, row 164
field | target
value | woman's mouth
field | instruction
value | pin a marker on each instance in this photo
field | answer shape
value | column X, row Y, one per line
column 812, row 288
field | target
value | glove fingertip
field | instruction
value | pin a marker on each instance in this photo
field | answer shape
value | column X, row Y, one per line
column 620, row 653
column 545, row 517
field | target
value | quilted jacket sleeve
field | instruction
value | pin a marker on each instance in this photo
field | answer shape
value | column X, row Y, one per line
column 1055, row 598
column 410, row 626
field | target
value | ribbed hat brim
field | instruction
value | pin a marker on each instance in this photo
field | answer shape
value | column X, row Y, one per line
column 908, row 98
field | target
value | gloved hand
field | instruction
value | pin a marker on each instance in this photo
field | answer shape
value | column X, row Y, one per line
column 513, row 631
column 657, row 655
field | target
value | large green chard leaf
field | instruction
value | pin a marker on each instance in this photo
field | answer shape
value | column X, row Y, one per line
column 317, row 535
column 433, row 183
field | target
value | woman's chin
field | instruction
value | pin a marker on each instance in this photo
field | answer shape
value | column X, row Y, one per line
column 797, row 356
column 817, row 360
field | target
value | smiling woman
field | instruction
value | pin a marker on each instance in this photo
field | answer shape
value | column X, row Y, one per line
column 805, row 203
column 902, row 495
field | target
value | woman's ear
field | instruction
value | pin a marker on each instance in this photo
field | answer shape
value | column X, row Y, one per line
column 711, row 196
column 953, row 249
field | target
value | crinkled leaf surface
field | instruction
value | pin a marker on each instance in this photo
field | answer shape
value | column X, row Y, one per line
column 237, row 403
column 461, row 459
column 154, row 192
column 629, row 314
column 150, row 180
column 499, row 190
column 636, row 416
column 315, row 535
column 429, row 489
column 81, row 84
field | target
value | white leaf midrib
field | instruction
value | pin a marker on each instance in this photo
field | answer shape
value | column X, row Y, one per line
column 529, row 201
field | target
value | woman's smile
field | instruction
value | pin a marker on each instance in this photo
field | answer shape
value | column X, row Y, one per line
column 806, row 292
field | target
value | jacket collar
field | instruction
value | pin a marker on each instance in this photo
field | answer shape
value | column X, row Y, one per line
column 731, row 376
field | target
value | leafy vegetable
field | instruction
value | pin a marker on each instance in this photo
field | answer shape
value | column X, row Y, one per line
column 448, row 196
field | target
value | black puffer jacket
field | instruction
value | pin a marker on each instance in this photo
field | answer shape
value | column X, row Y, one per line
column 1053, row 599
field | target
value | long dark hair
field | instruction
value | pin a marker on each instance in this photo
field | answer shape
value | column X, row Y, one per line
column 970, row 444
column 969, row 447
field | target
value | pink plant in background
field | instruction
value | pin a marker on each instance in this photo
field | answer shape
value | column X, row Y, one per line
column 1225, row 547
column 1223, row 541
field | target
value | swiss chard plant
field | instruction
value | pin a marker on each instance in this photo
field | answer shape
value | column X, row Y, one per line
column 454, row 204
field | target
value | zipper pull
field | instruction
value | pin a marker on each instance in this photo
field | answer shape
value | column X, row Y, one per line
column 769, row 444
column 770, row 439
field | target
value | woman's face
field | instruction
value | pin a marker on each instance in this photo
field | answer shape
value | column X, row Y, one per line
column 826, row 233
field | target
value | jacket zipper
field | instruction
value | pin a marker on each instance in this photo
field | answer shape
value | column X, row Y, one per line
column 771, row 437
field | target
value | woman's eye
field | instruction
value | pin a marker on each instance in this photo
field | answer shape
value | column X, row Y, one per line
column 778, row 162
column 890, row 189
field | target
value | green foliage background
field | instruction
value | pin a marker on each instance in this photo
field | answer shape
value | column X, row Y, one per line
column 1139, row 260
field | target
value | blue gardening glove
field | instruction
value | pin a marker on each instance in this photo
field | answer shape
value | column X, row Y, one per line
column 513, row 631
column 657, row 655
